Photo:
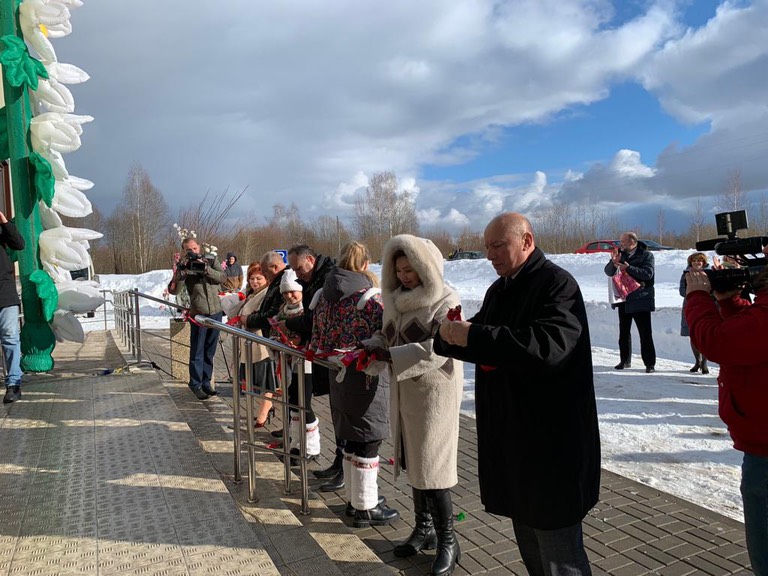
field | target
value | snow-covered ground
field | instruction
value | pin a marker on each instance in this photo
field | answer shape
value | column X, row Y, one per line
column 660, row 429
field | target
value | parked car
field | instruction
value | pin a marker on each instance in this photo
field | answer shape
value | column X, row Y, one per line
column 466, row 255
column 654, row 246
column 599, row 246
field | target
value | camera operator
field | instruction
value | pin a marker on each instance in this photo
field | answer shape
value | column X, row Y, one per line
column 201, row 280
column 734, row 333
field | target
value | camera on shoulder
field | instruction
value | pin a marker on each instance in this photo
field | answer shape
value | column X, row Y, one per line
column 195, row 263
column 748, row 252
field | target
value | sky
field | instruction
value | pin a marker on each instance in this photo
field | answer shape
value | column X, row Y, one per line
column 478, row 106
column 660, row 429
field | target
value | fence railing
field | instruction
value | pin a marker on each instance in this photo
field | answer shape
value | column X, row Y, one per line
column 128, row 326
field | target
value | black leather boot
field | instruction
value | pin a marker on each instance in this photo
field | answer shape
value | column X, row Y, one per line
column 423, row 536
column 448, row 553
column 335, row 483
column 333, row 469
column 381, row 515
column 704, row 367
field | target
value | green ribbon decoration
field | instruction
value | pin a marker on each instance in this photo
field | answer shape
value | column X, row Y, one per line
column 46, row 291
column 44, row 180
column 20, row 68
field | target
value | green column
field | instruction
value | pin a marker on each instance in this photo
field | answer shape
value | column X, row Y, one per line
column 37, row 339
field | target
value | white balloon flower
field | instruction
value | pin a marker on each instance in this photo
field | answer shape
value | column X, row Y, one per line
column 66, row 248
column 57, row 132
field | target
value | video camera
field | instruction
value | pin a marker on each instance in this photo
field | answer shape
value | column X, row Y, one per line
column 194, row 263
column 747, row 252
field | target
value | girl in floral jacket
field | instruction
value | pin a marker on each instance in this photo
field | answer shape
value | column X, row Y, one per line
column 349, row 310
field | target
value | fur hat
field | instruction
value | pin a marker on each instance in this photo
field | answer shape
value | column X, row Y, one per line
column 289, row 282
column 425, row 258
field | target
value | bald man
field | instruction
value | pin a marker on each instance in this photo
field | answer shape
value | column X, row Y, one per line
column 537, row 433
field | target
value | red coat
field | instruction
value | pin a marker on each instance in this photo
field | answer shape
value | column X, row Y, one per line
column 736, row 338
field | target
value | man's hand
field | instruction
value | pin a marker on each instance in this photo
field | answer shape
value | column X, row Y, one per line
column 696, row 280
column 455, row 333
column 3, row 219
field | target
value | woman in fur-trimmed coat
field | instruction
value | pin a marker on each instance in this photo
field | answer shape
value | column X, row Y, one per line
column 425, row 389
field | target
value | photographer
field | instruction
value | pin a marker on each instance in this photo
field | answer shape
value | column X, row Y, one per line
column 734, row 333
column 201, row 280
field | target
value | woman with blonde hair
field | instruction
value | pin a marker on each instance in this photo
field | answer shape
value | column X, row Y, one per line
column 348, row 311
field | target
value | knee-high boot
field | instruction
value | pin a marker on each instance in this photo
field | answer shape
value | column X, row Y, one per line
column 448, row 553
column 423, row 536
column 704, row 367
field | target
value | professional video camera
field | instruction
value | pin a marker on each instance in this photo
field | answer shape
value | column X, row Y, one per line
column 195, row 263
column 747, row 252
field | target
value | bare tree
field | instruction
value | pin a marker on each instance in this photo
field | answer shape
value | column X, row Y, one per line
column 144, row 211
column 733, row 198
column 207, row 218
column 697, row 220
column 470, row 240
column 381, row 212
column 330, row 235
column 661, row 220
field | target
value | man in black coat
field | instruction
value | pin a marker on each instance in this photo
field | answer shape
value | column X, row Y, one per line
column 537, row 431
column 636, row 260
column 312, row 269
column 10, row 239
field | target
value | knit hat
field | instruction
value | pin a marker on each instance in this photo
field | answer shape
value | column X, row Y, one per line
column 289, row 282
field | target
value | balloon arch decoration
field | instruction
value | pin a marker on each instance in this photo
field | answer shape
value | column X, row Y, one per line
column 40, row 126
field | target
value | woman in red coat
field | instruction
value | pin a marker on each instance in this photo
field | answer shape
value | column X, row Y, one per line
column 734, row 333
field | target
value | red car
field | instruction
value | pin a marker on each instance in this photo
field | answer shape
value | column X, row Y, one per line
column 599, row 246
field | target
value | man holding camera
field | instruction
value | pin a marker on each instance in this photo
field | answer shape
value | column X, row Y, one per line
column 201, row 280
column 734, row 333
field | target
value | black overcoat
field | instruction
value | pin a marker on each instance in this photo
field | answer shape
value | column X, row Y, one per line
column 537, row 431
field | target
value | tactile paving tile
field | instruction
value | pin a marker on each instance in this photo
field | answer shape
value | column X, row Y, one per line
column 232, row 563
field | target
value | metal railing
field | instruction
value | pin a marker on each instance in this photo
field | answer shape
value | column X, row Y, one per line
column 128, row 326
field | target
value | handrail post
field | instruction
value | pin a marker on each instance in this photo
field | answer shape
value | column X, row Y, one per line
column 249, row 423
column 138, row 324
column 299, row 364
column 236, row 407
column 286, row 421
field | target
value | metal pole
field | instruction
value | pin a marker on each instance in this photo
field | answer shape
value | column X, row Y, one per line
column 236, row 407
column 249, row 424
column 138, row 324
column 299, row 363
column 286, row 422
column 104, row 295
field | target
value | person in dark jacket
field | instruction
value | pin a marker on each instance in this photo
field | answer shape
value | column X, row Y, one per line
column 734, row 333
column 10, row 239
column 538, row 442
column 233, row 274
column 348, row 311
column 636, row 260
column 202, row 280
column 312, row 270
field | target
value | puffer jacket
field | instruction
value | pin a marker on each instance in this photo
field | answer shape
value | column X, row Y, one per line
column 641, row 268
column 736, row 338
column 203, row 289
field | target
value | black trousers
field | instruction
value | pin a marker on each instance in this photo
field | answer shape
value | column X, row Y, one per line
column 643, row 323
column 293, row 394
column 363, row 449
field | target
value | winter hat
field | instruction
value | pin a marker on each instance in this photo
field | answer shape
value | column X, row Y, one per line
column 289, row 282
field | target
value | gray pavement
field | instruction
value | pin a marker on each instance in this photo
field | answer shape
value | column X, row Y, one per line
column 125, row 473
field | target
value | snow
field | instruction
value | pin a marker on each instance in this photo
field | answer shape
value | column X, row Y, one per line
column 660, row 429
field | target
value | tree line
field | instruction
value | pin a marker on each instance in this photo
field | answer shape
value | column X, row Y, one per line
column 139, row 235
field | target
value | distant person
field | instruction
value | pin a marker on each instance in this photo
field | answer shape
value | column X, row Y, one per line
column 202, row 281
column 10, row 332
column 696, row 261
column 233, row 274
column 734, row 333
column 538, row 444
column 636, row 260
column 426, row 391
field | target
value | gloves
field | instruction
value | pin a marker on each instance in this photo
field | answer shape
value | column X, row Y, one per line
column 378, row 352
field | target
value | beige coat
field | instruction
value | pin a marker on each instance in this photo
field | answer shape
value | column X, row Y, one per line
column 250, row 306
column 426, row 389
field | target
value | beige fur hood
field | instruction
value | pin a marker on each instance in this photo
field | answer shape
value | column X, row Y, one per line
column 425, row 259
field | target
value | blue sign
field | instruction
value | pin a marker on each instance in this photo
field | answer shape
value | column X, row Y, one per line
column 284, row 254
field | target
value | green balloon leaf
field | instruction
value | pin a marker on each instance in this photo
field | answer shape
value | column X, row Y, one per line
column 19, row 67
column 44, row 179
column 46, row 291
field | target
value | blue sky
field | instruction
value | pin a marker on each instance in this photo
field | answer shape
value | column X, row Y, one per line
column 633, row 107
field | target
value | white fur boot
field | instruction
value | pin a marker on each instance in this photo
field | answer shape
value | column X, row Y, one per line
column 365, row 494
column 313, row 438
column 293, row 430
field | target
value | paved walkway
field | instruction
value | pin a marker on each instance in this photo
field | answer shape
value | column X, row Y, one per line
column 123, row 473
